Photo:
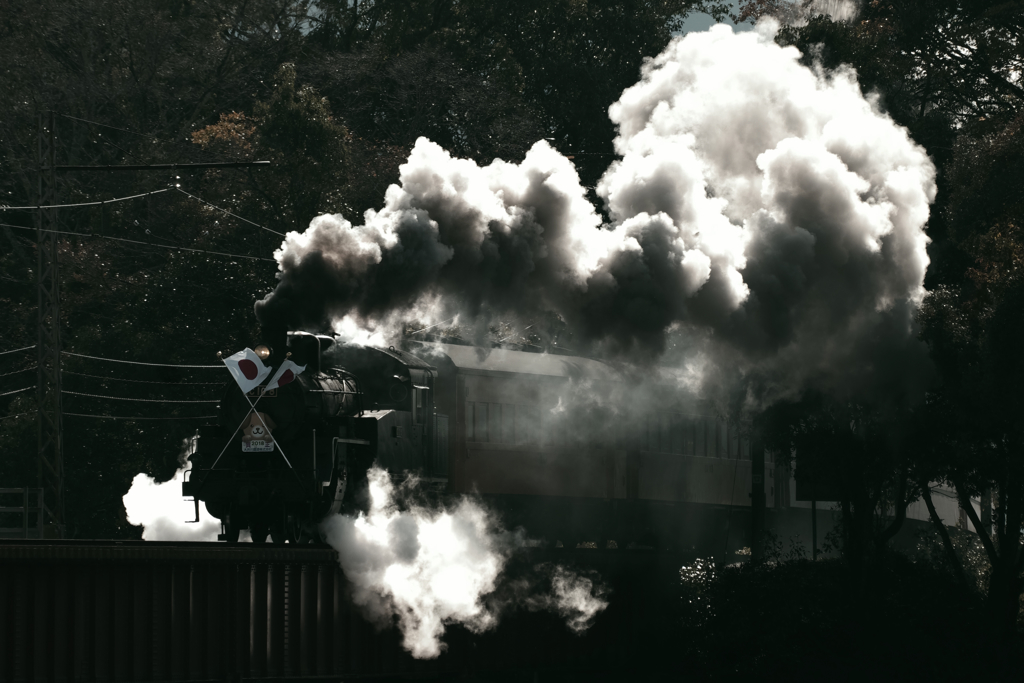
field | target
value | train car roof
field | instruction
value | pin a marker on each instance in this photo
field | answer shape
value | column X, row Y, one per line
column 343, row 350
column 478, row 359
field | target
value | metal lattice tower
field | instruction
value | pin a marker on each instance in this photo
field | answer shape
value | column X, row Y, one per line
column 48, row 388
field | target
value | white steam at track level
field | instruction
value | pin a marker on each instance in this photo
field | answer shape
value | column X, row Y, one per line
column 429, row 568
column 158, row 506
column 765, row 211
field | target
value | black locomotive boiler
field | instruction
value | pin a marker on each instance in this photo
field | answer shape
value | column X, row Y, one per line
column 351, row 407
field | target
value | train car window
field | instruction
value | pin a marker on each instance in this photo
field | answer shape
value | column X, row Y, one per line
column 520, row 425
column 480, row 429
column 536, row 426
column 508, row 423
column 470, row 422
column 494, row 424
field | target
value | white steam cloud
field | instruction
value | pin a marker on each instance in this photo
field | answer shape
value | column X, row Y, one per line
column 769, row 210
column 161, row 511
column 430, row 568
column 575, row 598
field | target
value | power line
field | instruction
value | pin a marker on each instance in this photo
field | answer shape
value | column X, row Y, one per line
column 7, row 374
column 138, row 400
column 228, row 212
column 139, row 381
column 23, row 348
column 163, row 167
column 68, row 206
column 7, row 417
column 59, row 232
column 147, row 244
column 16, row 391
column 135, row 362
column 430, row 326
column 104, row 125
column 118, row 417
column 198, row 251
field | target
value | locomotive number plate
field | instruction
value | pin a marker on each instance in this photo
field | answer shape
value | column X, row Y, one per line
column 260, row 391
column 257, row 446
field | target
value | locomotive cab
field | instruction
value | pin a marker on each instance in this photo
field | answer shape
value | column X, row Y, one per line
column 398, row 415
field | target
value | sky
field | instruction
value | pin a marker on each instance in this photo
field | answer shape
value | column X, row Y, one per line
column 702, row 22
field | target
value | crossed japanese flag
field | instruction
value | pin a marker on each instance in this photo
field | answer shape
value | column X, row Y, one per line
column 249, row 371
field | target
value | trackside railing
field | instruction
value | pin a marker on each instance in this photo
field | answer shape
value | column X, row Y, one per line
column 26, row 503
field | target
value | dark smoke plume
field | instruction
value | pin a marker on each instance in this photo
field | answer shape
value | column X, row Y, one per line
column 767, row 212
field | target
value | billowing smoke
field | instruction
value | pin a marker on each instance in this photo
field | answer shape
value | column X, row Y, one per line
column 837, row 10
column 576, row 598
column 429, row 568
column 766, row 213
column 161, row 511
column 799, row 12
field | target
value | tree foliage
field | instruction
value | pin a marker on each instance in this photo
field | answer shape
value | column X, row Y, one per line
column 332, row 93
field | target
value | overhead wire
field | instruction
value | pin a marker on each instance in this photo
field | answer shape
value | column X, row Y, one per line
column 246, row 220
column 137, row 196
column 139, row 381
column 147, row 244
column 104, row 125
column 23, row 348
column 8, row 374
column 121, row 417
column 135, row 362
column 7, row 417
column 138, row 400
column 199, row 251
column 38, row 207
column 430, row 326
column 117, row 239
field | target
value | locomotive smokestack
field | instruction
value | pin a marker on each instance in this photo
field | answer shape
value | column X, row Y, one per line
column 308, row 349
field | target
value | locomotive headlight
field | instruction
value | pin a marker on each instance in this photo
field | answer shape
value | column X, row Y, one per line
column 263, row 351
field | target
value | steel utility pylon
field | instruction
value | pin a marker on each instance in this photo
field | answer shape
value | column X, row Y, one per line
column 48, row 388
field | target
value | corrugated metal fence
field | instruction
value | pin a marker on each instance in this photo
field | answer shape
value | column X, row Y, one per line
column 144, row 611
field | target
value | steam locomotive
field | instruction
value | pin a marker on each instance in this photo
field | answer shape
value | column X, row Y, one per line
column 486, row 422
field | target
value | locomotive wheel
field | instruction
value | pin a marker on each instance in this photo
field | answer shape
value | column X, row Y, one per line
column 292, row 529
column 231, row 532
column 258, row 532
column 310, row 534
column 569, row 540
